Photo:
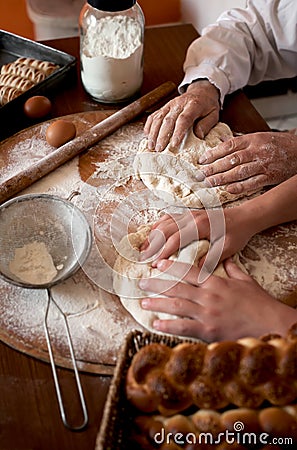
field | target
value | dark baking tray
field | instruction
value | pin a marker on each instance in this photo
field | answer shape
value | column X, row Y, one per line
column 12, row 47
column 115, row 429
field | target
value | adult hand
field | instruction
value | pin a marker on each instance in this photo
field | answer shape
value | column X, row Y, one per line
column 199, row 105
column 251, row 161
column 218, row 309
column 229, row 231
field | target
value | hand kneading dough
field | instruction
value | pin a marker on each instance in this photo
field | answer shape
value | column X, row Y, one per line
column 173, row 174
column 128, row 271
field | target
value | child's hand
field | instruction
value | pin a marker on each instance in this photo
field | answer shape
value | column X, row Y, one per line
column 232, row 231
column 218, row 309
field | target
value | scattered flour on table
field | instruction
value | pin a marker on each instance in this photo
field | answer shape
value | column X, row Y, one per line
column 95, row 335
column 271, row 263
column 23, row 153
column 62, row 182
column 118, row 167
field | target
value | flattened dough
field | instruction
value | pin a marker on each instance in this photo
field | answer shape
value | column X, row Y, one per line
column 128, row 271
column 172, row 174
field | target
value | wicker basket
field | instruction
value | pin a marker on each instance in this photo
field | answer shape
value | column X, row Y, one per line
column 118, row 413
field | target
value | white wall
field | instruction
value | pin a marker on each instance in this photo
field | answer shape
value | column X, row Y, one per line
column 203, row 12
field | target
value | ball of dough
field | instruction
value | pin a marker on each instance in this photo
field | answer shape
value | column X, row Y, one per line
column 128, row 270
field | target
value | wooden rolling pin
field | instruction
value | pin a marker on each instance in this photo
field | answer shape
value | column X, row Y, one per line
column 89, row 138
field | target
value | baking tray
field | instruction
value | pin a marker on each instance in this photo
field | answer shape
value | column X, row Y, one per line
column 12, row 46
column 118, row 415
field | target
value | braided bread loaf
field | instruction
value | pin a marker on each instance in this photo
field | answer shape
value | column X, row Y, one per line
column 45, row 66
column 245, row 373
column 24, row 71
column 8, row 93
column 208, row 428
column 22, row 84
column 22, row 74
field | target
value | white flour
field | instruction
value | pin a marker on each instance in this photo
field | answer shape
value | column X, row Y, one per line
column 23, row 154
column 111, row 58
column 33, row 264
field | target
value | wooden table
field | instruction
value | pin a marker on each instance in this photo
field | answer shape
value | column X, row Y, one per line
column 29, row 415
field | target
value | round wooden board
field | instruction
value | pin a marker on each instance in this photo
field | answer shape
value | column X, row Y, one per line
column 97, row 320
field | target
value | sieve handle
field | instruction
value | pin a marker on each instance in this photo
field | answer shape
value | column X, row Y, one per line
column 90, row 137
column 54, row 371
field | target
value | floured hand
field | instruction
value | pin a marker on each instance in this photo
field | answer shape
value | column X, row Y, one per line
column 176, row 231
column 218, row 309
column 241, row 222
column 199, row 105
column 251, row 161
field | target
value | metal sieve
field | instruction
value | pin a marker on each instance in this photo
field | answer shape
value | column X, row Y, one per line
column 65, row 232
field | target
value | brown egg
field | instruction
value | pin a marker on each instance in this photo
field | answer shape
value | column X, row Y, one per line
column 60, row 132
column 37, row 107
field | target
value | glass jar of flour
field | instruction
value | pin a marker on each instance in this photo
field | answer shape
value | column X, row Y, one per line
column 111, row 49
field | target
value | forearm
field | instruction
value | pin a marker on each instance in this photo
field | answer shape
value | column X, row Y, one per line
column 276, row 206
column 244, row 47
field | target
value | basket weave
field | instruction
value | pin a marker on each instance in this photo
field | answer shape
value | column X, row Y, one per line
column 118, row 413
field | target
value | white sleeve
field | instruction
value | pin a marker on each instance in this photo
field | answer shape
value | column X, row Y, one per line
column 246, row 46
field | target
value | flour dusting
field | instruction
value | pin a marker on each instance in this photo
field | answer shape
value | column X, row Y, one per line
column 23, row 153
column 33, row 264
column 97, row 321
column 270, row 258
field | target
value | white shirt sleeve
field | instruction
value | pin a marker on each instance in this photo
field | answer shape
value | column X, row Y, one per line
column 245, row 46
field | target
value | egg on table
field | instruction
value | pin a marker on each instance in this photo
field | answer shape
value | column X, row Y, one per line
column 37, row 107
column 60, row 132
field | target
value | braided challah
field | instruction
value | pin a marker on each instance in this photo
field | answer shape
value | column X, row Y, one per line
column 22, row 70
column 8, row 93
column 45, row 66
column 243, row 373
column 23, row 84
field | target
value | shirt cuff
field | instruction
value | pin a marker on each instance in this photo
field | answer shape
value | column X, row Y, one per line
column 206, row 71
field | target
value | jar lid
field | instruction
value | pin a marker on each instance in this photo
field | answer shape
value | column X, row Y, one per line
column 112, row 5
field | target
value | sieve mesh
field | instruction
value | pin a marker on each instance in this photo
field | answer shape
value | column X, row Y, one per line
column 48, row 219
column 66, row 234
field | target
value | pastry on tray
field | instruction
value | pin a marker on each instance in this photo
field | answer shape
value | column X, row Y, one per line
column 22, row 74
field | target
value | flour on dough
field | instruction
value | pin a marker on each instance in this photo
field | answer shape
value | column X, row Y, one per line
column 128, row 271
column 33, row 264
column 174, row 173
